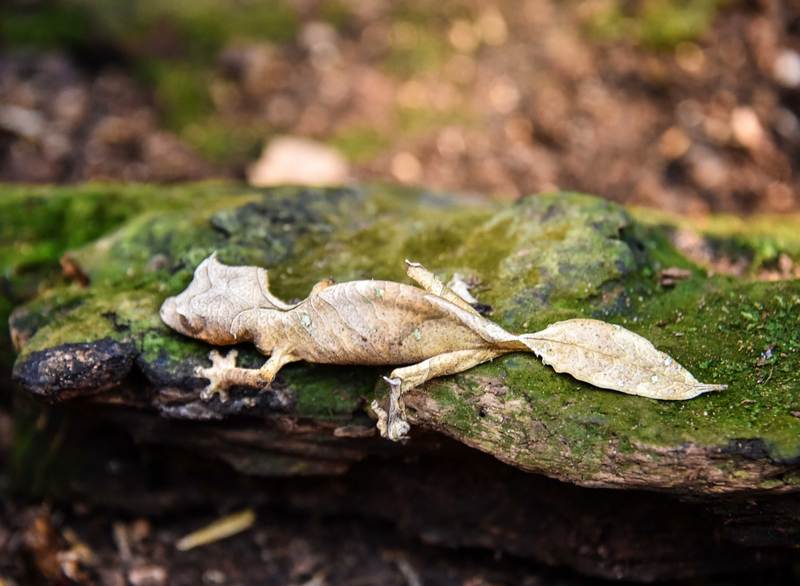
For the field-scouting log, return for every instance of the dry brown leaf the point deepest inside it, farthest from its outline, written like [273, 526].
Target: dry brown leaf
[611, 357]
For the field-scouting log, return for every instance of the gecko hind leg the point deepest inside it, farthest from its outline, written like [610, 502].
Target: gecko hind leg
[224, 374]
[396, 425]
[393, 425]
[432, 284]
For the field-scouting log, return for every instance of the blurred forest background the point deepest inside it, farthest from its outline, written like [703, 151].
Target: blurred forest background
[686, 105]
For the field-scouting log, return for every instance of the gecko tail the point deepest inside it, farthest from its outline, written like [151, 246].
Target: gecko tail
[492, 333]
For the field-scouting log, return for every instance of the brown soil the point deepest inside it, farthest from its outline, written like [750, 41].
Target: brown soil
[61, 124]
[279, 549]
[517, 98]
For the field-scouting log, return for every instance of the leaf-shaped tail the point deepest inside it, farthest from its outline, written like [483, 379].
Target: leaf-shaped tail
[611, 357]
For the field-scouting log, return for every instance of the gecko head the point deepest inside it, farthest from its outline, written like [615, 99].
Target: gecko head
[208, 307]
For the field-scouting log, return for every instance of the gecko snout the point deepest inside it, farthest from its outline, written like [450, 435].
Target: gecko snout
[172, 314]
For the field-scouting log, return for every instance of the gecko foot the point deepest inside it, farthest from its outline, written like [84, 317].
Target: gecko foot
[381, 413]
[396, 425]
[397, 430]
[218, 381]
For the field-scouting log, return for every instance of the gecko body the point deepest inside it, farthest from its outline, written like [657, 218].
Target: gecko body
[429, 330]
[369, 322]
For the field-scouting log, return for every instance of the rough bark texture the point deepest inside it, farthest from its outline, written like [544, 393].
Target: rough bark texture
[730, 460]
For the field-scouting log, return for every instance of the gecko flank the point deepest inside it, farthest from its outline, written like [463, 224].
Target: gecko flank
[429, 331]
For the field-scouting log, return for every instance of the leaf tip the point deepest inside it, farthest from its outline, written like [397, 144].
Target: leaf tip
[708, 387]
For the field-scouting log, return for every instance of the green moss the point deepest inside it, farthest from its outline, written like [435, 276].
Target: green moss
[656, 24]
[181, 91]
[39, 224]
[329, 392]
[159, 343]
[201, 27]
[746, 335]
[721, 330]
[98, 314]
[209, 24]
[60, 25]
[543, 259]
[761, 239]
[415, 48]
[458, 405]
[218, 141]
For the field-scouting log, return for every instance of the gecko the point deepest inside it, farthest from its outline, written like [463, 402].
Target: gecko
[427, 331]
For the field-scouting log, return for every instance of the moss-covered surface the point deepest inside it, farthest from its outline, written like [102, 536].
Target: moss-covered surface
[745, 334]
[545, 258]
[760, 240]
[39, 224]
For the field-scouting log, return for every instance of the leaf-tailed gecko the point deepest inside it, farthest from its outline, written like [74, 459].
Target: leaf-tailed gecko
[431, 330]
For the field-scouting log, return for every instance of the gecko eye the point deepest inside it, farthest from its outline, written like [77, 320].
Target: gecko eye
[183, 320]
[185, 323]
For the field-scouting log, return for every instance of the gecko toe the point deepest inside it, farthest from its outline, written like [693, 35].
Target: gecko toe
[382, 417]
[207, 394]
[394, 383]
[398, 430]
[226, 361]
[215, 383]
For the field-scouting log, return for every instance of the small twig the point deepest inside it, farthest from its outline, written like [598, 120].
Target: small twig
[218, 530]
[404, 566]
[408, 571]
[120, 533]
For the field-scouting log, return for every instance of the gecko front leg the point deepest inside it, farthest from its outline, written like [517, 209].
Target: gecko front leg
[224, 374]
[392, 425]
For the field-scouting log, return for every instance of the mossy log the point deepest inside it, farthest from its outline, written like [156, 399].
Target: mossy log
[90, 336]
[542, 259]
